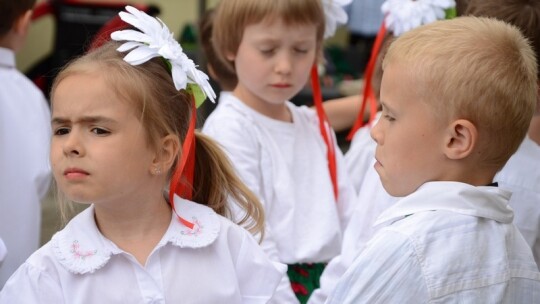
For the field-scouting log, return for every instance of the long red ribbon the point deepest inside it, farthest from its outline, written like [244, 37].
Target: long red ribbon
[182, 179]
[325, 132]
[368, 94]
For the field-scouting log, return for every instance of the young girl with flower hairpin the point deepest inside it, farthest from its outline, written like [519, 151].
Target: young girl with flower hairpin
[286, 154]
[119, 122]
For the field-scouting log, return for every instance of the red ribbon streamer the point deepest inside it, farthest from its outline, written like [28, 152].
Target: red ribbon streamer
[368, 94]
[182, 179]
[323, 123]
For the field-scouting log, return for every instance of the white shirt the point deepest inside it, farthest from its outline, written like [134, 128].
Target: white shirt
[216, 262]
[447, 242]
[521, 175]
[24, 163]
[372, 201]
[286, 166]
[3, 252]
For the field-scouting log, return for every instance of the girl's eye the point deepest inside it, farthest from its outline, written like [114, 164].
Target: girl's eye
[100, 131]
[267, 51]
[301, 51]
[61, 131]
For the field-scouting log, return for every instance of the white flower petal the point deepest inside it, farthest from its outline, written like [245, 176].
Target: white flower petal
[130, 35]
[140, 55]
[128, 46]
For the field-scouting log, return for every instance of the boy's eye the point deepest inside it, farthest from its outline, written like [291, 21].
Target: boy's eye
[100, 131]
[389, 118]
[61, 131]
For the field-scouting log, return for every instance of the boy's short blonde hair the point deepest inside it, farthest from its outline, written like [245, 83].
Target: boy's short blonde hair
[479, 69]
[233, 16]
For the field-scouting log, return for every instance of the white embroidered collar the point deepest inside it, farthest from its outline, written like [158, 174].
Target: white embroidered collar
[486, 202]
[81, 248]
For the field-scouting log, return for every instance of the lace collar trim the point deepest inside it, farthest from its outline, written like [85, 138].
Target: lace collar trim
[81, 248]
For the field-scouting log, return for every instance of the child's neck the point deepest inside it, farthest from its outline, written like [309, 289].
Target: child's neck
[278, 111]
[136, 229]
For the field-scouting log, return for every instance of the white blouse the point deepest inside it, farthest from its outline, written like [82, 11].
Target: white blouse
[286, 166]
[215, 262]
[448, 242]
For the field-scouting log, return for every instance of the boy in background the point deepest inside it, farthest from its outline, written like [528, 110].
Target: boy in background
[24, 141]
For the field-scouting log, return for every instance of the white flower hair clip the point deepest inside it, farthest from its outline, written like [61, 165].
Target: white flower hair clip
[156, 40]
[404, 15]
[334, 15]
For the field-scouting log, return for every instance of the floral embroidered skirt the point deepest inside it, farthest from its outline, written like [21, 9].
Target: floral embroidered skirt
[305, 279]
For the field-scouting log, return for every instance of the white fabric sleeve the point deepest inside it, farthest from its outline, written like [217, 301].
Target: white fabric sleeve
[387, 271]
[241, 146]
[31, 285]
[3, 251]
[258, 276]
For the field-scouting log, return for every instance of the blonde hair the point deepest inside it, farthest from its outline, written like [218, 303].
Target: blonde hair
[163, 110]
[233, 16]
[478, 69]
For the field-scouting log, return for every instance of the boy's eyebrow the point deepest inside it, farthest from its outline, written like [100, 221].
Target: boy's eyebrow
[386, 107]
[84, 119]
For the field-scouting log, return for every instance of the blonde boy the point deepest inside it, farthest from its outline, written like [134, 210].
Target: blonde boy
[24, 141]
[457, 97]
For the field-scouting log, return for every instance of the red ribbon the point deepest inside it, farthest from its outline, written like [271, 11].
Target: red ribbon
[368, 94]
[323, 123]
[182, 179]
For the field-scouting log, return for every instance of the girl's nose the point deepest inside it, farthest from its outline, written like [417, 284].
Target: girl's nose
[72, 146]
[284, 64]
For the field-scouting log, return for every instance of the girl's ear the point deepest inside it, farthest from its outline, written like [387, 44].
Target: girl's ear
[461, 139]
[230, 56]
[166, 154]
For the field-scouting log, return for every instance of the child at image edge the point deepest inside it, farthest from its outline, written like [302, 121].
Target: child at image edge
[117, 132]
[275, 146]
[25, 132]
[457, 98]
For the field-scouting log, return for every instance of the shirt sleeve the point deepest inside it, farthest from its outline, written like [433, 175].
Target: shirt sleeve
[3, 251]
[387, 271]
[31, 285]
[258, 276]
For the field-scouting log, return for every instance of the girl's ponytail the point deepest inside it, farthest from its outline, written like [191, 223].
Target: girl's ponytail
[217, 185]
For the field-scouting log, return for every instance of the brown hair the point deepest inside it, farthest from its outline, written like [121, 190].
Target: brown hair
[233, 16]
[10, 11]
[524, 14]
[164, 110]
[479, 69]
[225, 77]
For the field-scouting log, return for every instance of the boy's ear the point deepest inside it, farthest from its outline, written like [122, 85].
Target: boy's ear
[461, 139]
[23, 23]
[166, 153]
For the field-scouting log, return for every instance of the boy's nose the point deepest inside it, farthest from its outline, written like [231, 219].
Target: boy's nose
[376, 133]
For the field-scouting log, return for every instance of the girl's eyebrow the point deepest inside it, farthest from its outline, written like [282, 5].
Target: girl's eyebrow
[84, 119]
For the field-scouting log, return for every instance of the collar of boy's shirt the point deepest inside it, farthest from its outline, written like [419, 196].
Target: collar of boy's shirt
[483, 201]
